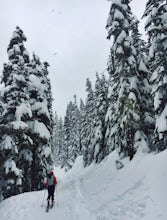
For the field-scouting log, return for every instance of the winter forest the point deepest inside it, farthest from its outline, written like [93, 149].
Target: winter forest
[125, 109]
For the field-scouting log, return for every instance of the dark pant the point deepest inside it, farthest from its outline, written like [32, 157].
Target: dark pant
[51, 190]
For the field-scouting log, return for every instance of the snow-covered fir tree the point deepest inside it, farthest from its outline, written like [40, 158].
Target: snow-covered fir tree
[74, 151]
[58, 140]
[98, 150]
[126, 131]
[146, 104]
[110, 120]
[156, 28]
[87, 127]
[55, 141]
[48, 93]
[41, 123]
[14, 118]
[82, 123]
[71, 134]
[67, 136]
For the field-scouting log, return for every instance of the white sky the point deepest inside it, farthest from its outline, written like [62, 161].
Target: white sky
[69, 34]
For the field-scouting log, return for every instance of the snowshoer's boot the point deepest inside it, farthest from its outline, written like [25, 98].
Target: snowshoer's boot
[52, 204]
[47, 207]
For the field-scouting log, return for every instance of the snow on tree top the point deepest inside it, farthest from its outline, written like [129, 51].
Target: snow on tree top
[116, 2]
[15, 35]
[120, 4]
[18, 33]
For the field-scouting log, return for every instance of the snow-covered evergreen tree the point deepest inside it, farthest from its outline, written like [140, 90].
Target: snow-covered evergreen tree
[146, 104]
[67, 136]
[126, 131]
[48, 92]
[74, 150]
[99, 128]
[156, 27]
[58, 140]
[71, 134]
[110, 120]
[14, 118]
[55, 139]
[40, 125]
[82, 123]
[87, 127]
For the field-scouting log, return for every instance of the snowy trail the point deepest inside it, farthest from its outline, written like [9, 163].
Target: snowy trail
[27, 206]
[100, 192]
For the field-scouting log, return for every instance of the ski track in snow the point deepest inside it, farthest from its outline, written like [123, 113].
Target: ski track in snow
[99, 192]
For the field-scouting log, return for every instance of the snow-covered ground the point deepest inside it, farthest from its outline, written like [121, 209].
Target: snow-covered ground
[100, 192]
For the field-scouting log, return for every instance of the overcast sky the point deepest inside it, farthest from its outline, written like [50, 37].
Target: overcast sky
[69, 34]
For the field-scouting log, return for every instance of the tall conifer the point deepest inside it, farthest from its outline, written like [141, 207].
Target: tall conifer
[15, 115]
[126, 121]
[156, 27]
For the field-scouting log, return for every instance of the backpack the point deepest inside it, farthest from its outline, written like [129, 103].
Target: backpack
[51, 180]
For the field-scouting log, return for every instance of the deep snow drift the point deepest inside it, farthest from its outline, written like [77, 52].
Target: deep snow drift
[100, 192]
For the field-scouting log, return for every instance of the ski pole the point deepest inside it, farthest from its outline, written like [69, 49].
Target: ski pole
[57, 195]
[43, 198]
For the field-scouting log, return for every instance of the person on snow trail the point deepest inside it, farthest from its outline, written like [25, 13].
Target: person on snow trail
[50, 185]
